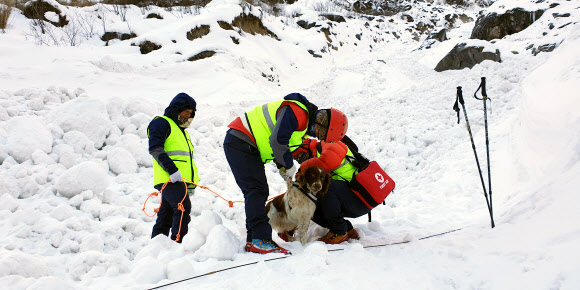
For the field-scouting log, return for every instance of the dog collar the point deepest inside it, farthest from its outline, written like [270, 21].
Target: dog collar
[307, 193]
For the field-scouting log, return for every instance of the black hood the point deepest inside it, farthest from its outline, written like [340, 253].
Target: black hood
[181, 102]
[312, 109]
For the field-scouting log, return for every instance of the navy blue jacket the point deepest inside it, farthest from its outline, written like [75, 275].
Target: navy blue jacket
[159, 129]
[286, 125]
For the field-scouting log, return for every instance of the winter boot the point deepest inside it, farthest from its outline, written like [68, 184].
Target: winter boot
[265, 246]
[287, 235]
[332, 238]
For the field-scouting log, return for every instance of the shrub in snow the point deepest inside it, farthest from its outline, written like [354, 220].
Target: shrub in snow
[86, 115]
[121, 161]
[206, 222]
[21, 264]
[26, 135]
[221, 244]
[88, 175]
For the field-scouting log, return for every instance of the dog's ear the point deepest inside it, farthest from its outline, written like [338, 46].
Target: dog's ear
[300, 178]
[325, 179]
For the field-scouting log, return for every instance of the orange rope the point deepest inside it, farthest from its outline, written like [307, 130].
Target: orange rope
[230, 203]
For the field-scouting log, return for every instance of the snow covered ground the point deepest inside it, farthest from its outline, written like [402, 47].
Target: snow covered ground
[75, 170]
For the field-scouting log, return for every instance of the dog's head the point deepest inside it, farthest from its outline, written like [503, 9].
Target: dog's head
[314, 179]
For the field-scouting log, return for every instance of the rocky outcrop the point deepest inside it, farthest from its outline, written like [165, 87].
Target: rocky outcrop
[463, 55]
[495, 26]
[148, 46]
[37, 10]
[386, 8]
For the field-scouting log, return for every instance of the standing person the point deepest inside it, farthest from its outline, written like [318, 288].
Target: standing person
[340, 201]
[271, 132]
[172, 151]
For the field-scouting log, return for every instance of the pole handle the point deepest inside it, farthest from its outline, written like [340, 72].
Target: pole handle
[483, 92]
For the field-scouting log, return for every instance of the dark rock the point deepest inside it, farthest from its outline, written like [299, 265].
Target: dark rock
[440, 35]
[253, 25]
[456, 2]
[37, 9]
[198, 32]
[335, 18]
[154, 15]
[462, 56]
[314, 54]
[117, 35]
[558, 15]
[202, 55]
[495, 26]
[544, 48]
[386, 8]
[225, 26]
[148, 46]
[306, 25]
[407, 18]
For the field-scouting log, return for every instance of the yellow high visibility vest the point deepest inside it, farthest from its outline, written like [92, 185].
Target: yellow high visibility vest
[261, 121]
[179, 148]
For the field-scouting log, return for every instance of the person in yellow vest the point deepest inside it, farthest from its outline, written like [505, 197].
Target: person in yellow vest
[271, 132]
[172, 151]
[340, 201]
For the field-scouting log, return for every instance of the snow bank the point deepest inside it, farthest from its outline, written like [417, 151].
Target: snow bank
[88, 175]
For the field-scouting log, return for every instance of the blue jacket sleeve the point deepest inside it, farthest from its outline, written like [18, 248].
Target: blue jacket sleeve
[159, 130]
[286, 124]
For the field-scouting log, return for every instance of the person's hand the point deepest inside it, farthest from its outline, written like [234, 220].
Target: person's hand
[175, 177]
[288, 173]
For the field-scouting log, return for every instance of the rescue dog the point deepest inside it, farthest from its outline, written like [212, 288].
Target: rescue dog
[295, 208]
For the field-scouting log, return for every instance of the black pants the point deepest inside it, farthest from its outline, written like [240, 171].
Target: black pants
[169, 215]
[339, 202]
[250, 175]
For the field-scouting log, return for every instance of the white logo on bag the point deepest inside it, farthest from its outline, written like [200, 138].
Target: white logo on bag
[381, 179]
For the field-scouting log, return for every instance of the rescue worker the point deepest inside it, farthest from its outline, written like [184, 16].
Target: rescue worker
[271, 132]
[340, 201]
[172, 151]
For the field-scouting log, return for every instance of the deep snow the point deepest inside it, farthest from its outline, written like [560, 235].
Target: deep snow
[75, 170]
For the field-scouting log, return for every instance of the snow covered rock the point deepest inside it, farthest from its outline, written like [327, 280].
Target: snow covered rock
[88, 175]
[121, 161]
[86, 115]
[26, 135]
[221, 244]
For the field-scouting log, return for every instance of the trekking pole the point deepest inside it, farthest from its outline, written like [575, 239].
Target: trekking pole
[459, 99]
[485, 98]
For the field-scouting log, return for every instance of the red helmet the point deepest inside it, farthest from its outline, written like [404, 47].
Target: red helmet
[337, 126]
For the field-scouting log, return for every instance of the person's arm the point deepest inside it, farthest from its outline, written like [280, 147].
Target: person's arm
[331, 157]
[159, 130]
[286, 124]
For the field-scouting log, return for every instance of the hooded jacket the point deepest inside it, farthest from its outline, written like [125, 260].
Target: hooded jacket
[291, 118]
[159, 129]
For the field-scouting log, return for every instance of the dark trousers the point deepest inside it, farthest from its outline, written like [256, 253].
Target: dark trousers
[169, 215]
[250, 175]
[339, 202]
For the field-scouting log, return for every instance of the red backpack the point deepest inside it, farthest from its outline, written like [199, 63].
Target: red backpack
[372, 184]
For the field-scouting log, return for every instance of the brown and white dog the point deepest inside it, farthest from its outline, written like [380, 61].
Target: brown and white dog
[295, 208]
